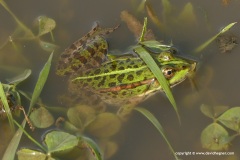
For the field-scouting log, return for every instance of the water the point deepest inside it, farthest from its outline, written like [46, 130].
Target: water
[216, 78]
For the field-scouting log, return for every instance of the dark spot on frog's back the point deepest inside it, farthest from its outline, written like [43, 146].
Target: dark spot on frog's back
[101, 83]
[97, 71]
[120, 77]
[90, 50]
[130, 77]
[139, 72]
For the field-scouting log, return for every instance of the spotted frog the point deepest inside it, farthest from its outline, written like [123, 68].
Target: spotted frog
[117, 80]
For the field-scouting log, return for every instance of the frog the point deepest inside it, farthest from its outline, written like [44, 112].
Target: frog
[117, 80]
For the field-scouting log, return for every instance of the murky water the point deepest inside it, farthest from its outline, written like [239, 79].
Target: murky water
[217, 76]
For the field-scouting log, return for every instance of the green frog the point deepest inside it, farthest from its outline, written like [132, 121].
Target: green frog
[123, 80]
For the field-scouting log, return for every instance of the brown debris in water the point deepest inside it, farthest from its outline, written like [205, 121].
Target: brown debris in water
[225, 2]
[135, 26]
[226, 43]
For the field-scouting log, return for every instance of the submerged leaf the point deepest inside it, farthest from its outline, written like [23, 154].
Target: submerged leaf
[153, 16]
[187, 16]
[231, 118]
[81, 115]
[104, 125]
[49, 47]
[46, 25]
[41, 118]
[215, 137]
[21, 77]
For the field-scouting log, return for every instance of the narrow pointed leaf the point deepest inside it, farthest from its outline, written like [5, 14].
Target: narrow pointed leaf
[205, 44]
[157, 125]
[41, 81]
[7, 109]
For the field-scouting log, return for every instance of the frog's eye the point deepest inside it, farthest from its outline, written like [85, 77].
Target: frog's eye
[168, 72]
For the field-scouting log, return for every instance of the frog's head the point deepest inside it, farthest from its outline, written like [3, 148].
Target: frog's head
[175, 68]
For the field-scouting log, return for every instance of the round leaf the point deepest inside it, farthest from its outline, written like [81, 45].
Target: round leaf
[81, 115]
[60, 142]
[215, 137]
[105, 125]
[41, 118]
[231, 118]
[28, 154]
[46, 25]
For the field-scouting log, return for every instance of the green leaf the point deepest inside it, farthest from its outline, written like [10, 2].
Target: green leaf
[41, 81]
[94, 148]
[41, 118]
[6, 107]
[105, 125]
[19, 78]
[28, 154]
[13, 145]
[205, 44]
[46, 25]
[157, 125]
[158, 74]
[215, 137]
[231, 118]
[59, 142]
[212, 112]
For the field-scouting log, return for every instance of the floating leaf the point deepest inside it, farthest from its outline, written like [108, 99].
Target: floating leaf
[94, 148]
[49, 47]
[41, 118]
[41, 81]
[81, 115]
[215, 137]
[231, 118]
[109, 148]
[46, 25]
[28, 154]
[157, 125]
[6, 107]
[205, 44]
[59, 142]
[104, 125]
[20, 78]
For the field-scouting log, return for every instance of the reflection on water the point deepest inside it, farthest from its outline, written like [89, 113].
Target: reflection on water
[216, 78]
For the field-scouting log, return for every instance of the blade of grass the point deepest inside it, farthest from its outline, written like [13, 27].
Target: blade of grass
[31, 138]
[147, 58]
[6, 107]
[157, 125]
[13, 145]
[205, 44]
[41, 81]
[159, 75]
